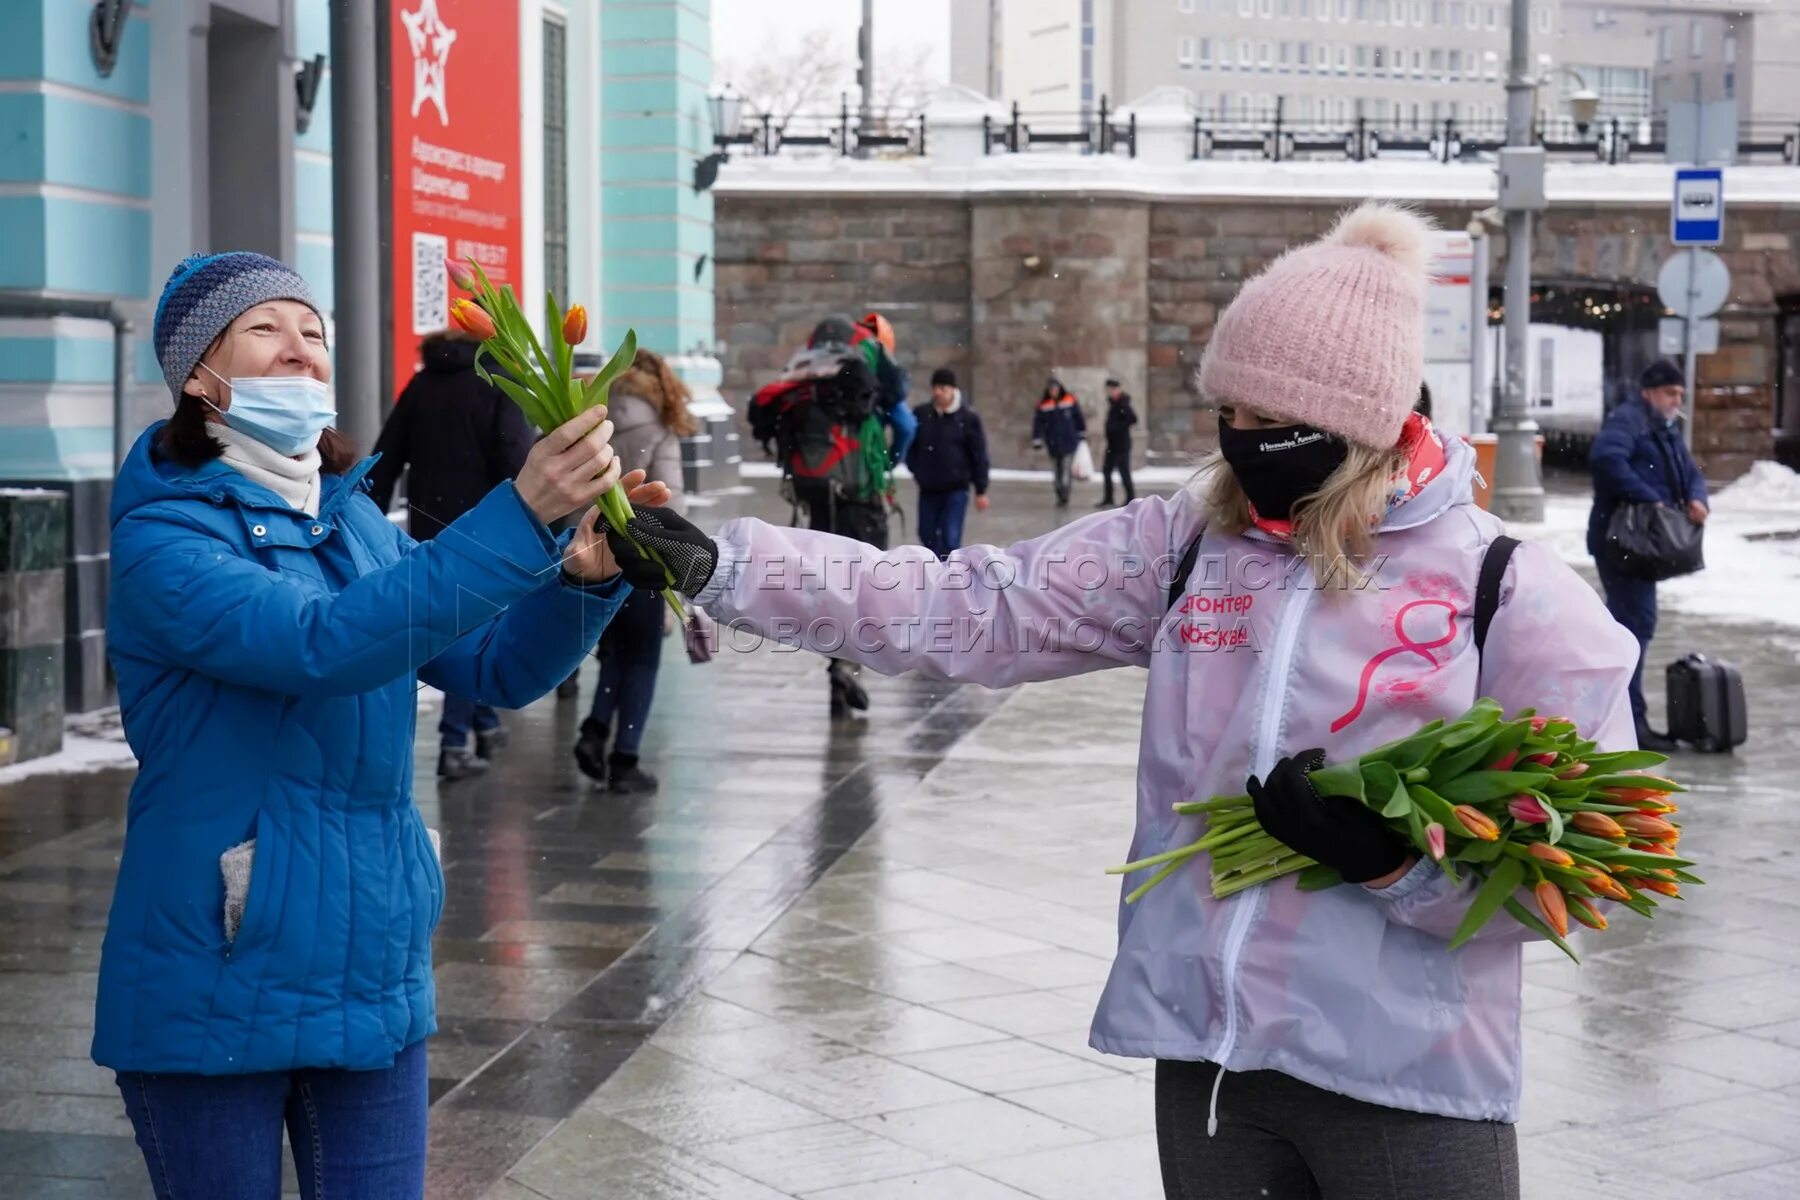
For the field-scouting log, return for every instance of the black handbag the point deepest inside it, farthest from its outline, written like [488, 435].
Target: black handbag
[1653, 541]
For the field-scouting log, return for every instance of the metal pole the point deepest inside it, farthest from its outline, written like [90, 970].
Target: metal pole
[1689, 400]
[356, 226]
[1518, 494]
[121, 366]
[1480, 402]
[866, 118]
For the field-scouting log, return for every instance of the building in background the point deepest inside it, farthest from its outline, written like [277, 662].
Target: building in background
[196, 141]
[1399, 63]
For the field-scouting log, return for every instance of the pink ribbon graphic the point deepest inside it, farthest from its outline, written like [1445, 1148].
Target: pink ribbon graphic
[1407, 645]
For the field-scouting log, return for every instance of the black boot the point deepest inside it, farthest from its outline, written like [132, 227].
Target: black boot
[569, 688]
[1649, 739]
[847, 692]
[626, 777]
[590, 749]
[1105, 503]
[459, 762]
[489, 740]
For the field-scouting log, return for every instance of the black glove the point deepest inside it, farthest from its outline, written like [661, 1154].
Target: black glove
[1334, 830]
[689, 555]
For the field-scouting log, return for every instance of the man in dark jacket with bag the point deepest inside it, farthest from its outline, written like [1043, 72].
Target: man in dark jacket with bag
[1640, 457]
[459, 438]
[949, 455]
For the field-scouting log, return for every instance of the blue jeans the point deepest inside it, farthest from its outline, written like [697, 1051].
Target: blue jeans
[630, 652]
[462, 714]
[357, 1135]
[1632, 603]
[941, 516]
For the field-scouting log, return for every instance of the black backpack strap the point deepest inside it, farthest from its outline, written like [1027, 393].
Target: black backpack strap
[1189, 558]
[1487, 585]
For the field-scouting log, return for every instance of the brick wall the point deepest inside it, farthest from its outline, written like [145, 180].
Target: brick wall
[1006, 288]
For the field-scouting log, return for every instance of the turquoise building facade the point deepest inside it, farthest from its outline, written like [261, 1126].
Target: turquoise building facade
[190, 143]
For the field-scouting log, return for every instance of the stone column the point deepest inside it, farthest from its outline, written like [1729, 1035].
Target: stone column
[31, 621]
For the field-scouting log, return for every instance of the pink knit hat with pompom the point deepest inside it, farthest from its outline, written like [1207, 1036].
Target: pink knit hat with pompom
[1332, 335]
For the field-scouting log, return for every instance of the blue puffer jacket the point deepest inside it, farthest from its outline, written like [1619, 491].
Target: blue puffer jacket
[266, 664]
[1637, 456]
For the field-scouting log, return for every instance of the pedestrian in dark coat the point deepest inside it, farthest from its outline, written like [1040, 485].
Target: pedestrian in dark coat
[1059, 428]
[949, 456]
[458, 437]
[1120, 417]
[1640, 456]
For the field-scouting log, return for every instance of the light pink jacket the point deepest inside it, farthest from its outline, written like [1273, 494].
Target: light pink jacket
[1350, 989]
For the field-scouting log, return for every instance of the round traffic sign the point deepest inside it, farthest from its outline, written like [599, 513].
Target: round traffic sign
[1694, 283]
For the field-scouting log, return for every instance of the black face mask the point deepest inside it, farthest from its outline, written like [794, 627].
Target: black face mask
[1282, 465]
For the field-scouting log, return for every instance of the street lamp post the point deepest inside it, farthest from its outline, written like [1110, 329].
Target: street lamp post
[1518, 493]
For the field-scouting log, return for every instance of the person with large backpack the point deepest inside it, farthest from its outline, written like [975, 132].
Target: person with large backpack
[822, 422]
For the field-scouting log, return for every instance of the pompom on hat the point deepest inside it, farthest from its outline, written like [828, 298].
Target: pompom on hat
[205, 294]
[1332, 334]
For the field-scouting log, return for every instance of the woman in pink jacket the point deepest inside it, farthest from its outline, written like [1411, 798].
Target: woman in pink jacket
[1308, 1044]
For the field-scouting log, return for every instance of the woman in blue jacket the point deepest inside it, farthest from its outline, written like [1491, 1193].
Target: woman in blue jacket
[268, 956]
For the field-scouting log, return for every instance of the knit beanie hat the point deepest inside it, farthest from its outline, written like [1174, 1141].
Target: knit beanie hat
[1332, 334]
[205, 294]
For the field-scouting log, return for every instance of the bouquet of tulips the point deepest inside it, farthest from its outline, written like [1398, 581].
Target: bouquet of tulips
[541, 380]
[1518, 802]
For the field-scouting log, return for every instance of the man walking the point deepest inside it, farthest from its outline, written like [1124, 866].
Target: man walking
[949, 455]
[1640, 457]
[1120, 417]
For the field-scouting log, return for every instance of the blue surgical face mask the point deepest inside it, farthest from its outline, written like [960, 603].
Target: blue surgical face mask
[284, 412]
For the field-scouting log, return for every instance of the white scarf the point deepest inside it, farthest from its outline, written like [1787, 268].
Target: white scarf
[295, 480]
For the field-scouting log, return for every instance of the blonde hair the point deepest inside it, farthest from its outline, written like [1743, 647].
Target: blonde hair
[1334, 527]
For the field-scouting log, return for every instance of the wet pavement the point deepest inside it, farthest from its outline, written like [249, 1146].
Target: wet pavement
[857, 960]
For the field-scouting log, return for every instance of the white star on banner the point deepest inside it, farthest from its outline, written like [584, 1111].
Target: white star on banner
[430, 41]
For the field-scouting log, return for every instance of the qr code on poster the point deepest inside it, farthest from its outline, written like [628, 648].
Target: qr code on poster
[430, 283]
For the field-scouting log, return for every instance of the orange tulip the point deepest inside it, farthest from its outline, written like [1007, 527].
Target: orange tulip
[1598, 825]
[1606, 885]
[1647, 827]
[1545, 852]
[460, 274]
[1654, 848]
[1477, 823]
[1586, 913]
[1663, 887]
[472, 319]
[574, 328]
[1550, 903]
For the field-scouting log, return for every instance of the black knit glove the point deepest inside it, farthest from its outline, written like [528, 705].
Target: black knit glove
[689, 555]
[1334, 830]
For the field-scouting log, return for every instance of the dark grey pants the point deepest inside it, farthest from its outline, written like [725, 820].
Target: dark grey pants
[1286, 1140]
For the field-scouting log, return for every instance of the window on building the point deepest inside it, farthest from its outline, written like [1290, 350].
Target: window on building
[1456, 12]
[1246, 54]
[1343, 111]
[1362, 60]
[1437, 12]
[1343, 60]
[1268, 9]
[1545, 20]
[1303, 49]
[1490, 64]
[1185, 51]
[1380, 60]
[1206, 52]
[1305, 8]
[556, 159]
[1456, 64]
[1493, 14]
[1287, 8]
[1283, 53]
[1730, 47]
[1224, 55]
[1322, 60]
[1246, 8]
[1418, 12]
[1265, 56]
[1731, 85]
[1437, 66]
[1184, 6]
[1343, 10]
[1415, 114]
[1362, 10]
[1381, 11]
[1545, 391]
[1696, 39]
[1665, 45]
[1418, 62]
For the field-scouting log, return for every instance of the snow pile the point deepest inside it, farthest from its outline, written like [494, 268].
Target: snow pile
[1766, 486]
[91, 742]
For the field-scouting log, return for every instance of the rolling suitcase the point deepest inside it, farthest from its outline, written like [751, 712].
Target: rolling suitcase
[1706, 703]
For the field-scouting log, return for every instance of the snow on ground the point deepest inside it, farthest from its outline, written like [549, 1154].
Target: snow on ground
[91, 742]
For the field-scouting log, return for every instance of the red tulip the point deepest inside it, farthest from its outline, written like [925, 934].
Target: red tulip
[1545, 852]
[1550, 902]
[1434, 840]
[574, 328]
[1477, 823]
[1528, 809]
[1538, 723]
[1598, 825]
[1542, 760]
[1586, 913]
[1505, 761]
[472, 319]
[460, 274]
[1575, 771]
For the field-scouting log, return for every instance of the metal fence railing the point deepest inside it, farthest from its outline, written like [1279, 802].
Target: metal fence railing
[1254, 133]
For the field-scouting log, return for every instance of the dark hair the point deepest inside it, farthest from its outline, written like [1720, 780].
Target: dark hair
[1423, 406]
[184, 438]
[943, 376]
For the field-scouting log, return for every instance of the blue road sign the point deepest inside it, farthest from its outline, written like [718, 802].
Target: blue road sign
[1697, 217]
